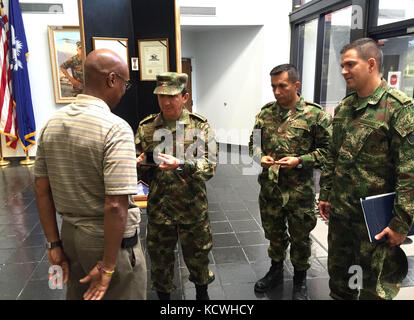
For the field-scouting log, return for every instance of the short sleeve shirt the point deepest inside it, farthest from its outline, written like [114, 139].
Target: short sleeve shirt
[87, 152]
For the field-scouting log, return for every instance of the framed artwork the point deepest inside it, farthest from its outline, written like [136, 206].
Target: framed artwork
[118, 45]
[66, 56]
[153, 58]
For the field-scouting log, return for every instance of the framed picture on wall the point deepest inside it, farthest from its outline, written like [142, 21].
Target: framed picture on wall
[66, 61]
[118, 45]
[153, 58]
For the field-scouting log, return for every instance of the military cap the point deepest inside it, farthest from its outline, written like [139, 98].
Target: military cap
[171, 83]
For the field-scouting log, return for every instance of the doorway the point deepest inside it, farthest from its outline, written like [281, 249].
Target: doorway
[187, 68]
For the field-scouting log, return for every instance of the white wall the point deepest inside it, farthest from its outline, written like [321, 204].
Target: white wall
[228, 63]
[233, 54]
[39, 64]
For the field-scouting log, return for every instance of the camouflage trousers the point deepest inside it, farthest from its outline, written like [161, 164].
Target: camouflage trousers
[295, 218]
[196, 242]
[383, 267]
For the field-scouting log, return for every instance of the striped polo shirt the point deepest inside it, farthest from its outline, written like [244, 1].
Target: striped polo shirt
[87, 152]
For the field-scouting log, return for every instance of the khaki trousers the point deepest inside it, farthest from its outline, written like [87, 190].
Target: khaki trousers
[129, 282]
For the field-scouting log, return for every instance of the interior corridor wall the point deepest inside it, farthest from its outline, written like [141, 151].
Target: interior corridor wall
[232, 54]
[228, 65]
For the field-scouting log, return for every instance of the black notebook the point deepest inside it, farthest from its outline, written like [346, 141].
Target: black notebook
[378, 214]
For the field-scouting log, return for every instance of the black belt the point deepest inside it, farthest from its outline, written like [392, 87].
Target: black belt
[130, 242]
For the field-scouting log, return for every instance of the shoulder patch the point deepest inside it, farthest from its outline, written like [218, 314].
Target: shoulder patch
[199, 117]
[309, 103]
[148, 118]
[268, 105]
[400, 96]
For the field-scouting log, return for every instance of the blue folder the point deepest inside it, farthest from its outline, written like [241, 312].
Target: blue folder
[378, 214]
[142, 188]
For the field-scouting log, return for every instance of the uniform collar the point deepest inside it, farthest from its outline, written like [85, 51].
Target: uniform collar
[298, 106]
[375, 97]
[184, 118]
[301, 103]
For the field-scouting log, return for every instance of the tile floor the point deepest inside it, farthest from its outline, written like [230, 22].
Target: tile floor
[238, 258]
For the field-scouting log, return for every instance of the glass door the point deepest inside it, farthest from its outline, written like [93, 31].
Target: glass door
[391, 11]
[308, 33]
[337, 35]
[398, 64]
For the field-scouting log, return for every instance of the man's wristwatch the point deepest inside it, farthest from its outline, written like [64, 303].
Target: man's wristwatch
[180, 166]
[51, 245]
[299, 166]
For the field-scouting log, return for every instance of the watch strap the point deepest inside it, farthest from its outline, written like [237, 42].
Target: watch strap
[300, 165]
[51, 245]
[181, 166]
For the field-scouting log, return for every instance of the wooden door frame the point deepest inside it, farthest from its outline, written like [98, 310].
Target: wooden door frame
[190, 103]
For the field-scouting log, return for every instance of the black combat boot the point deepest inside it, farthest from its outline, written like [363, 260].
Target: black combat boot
[300, 290]
[163, 295]
[273, 277]
[201, 292]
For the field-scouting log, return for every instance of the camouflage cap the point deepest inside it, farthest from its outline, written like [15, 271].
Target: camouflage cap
[171, 83]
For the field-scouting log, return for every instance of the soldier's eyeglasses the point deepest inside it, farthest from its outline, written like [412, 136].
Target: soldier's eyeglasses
[128, 83]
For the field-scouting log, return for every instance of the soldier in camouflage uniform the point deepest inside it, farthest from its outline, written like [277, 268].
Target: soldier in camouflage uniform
[294, 139]
[177, 200]
[372, 153]
[75, 64]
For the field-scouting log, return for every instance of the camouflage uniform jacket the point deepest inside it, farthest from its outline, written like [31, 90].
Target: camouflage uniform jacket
[372, 152]
[179, 197]
[304, 131]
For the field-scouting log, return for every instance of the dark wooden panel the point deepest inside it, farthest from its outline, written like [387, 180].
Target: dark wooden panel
[132, 19]
[153, 19]
[113, 19]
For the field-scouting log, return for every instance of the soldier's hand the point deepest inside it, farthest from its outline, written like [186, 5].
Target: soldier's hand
[393, 238]
[266, 161]
[168, 162]
[288, 162]
[324, 209]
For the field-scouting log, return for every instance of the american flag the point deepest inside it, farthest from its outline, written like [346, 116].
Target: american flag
[8, 119]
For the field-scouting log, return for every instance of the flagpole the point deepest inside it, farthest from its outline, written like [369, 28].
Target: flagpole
[27, 161]
[3, 162]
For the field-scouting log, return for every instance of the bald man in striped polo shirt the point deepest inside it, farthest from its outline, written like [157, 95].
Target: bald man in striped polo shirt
[86, 171]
